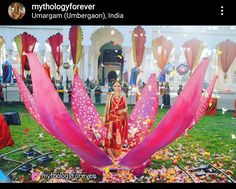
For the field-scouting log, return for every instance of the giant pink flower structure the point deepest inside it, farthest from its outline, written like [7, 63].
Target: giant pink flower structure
[84, 134]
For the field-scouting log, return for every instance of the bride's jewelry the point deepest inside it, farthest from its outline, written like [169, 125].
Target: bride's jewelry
[118, 101]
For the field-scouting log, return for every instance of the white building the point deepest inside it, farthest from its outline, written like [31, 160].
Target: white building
[94, 37]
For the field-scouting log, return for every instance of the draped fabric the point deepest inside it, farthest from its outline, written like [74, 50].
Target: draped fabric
[57, 120]
[204, 103]
[7, 72]
[55, 41]
[192, 52]
[75, 37]
[5, 134]
[133, 76]
[144, 112]
[52, 115]
[161, 51]
[1, 42]
[86, 113]
[47, 69]
[28, 100]
[28, 42]
[138, 40]
[174, 122]
[19, 44]
[25, 44]
[140, 120]
[226, 52]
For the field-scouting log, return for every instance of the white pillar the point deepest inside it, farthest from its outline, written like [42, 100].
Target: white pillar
[126, 54]
[127, 60]
[176, 60]
[65, 53]
[41, 40]
[65, 46]
[86, 62]
[1, 59]
[9, 55]
[92, 55]
[147, 62]
[95, 67]
[65, 59]
[41, 55]
[81, 67]
[209, 70]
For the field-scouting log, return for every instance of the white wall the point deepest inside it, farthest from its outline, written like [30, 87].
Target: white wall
[211, 35]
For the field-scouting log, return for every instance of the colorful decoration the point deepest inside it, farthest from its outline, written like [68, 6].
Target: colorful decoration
[25, 44]
[204, 104]
[47, 69]
[29, 100]
[192, 51]
[161, 51]
[183, 69]
[85, 113]
[138, 96]
[55, 42]
[144, 112]
[226, 52]
[138, 40]
[169, 68]
[164, 133]
[87, 169]
[1, 42]
[66, 65]
[7, 72]
[212, 107]
[75, 37]
[133, 77]
[55, 115]
[56, 118]
[162, 77]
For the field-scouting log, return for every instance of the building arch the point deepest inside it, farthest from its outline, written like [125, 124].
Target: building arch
[98, 38]
[104, 35]
[234, 77]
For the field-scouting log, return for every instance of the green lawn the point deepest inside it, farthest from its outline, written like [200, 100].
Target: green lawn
[211, 140]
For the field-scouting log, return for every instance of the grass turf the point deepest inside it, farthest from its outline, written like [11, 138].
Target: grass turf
[212, 134]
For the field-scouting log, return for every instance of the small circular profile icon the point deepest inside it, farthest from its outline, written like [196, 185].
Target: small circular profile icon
[36, 174]
[16, 10]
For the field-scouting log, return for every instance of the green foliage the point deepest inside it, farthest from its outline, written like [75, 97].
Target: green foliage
[212, 135]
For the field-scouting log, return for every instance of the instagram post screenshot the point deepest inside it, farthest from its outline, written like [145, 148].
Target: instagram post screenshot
[117, 92]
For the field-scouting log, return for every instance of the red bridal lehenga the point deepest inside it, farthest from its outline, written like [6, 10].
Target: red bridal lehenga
[117, 127]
